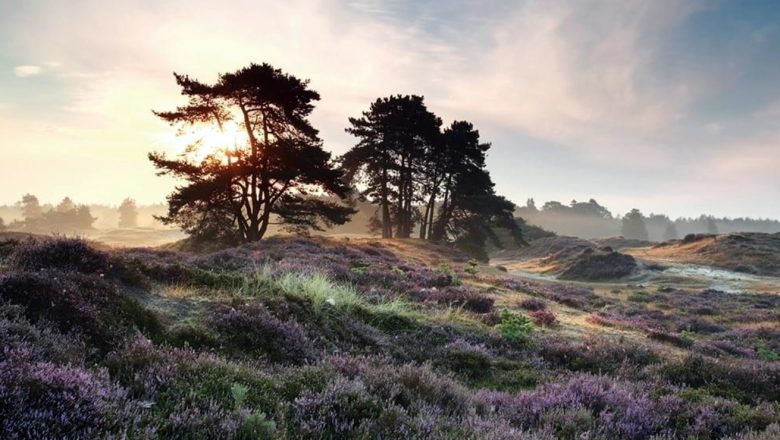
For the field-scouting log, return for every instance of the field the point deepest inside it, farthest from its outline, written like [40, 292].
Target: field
[345, 337]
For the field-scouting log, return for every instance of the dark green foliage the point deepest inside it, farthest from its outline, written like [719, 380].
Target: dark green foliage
[514, 326]
[404, 160]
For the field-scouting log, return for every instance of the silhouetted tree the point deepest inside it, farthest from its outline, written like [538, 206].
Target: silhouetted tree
[530, 204]
[65, 205]
[404, 160]
[712, 227]
[66, 218]
[128, 214]
[271, 178]
[31, 207]
[469, 208]
[3, 227]
[398, 139]
[670, 233]
[634, 225]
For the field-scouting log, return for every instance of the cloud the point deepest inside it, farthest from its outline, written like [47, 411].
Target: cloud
[595, 78]
[27, 70]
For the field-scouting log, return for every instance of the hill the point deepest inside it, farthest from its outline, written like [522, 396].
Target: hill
[321, 338]
[571, 258]
[756, 253]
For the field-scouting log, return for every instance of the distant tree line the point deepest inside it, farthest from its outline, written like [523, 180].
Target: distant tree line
[421, 178]
[590, 219]
[67, 216]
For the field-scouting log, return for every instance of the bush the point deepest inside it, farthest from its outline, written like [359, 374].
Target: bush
[533, 304]
[741, 379]
[597, 354]
[465, 359]
[544, 318]
[77, 303]
[456, 297]
[515, 327]
[43, 400]
[59, 253]
[251, 328]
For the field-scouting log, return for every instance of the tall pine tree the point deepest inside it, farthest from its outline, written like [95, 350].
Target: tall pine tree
[270, 178]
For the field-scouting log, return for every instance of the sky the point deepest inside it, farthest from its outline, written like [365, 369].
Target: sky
[669, 106]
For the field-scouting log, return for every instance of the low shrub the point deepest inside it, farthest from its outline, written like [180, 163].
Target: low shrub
[544, 318]
[63, 254]
[515, 327]
[597, 354]
[77, 303]
[745, 380]
[456, 297]
[250, 328]
[43, 400]
[464, 359]
[533, 304]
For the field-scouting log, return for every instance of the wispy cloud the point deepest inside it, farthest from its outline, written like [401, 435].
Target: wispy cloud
[27, 70]
[603, 80]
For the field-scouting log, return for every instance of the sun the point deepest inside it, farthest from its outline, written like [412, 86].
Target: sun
[200, 142]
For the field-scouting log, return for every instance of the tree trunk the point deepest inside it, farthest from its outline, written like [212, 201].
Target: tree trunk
[387, 229]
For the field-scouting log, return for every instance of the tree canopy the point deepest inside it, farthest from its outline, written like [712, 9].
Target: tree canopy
[634, 225]
[67, 216]
[128, 214]
[277, 175]
[422, 177]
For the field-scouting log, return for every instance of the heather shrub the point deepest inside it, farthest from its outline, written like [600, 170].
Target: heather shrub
[456, 297]
[38, 342]
[192, 395]
[772, 432]
[597, 354]
[680, 340]
[544, 318]
[250, 328]
[346, 409]
[533, 304]
[585, 404]
[409, 385]
[465, 359]
[699, 325]
[43, 400]
[741, 379]
[76, 303]
[59, 253]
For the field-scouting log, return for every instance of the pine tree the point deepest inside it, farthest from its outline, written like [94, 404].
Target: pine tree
[670, 233]
[31, 207]
[128, 214]
[271, 178]
[712, 227]
[397, 140]
[634, 225]
[403, 160]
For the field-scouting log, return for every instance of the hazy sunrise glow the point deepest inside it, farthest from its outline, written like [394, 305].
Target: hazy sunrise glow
[669, 106]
